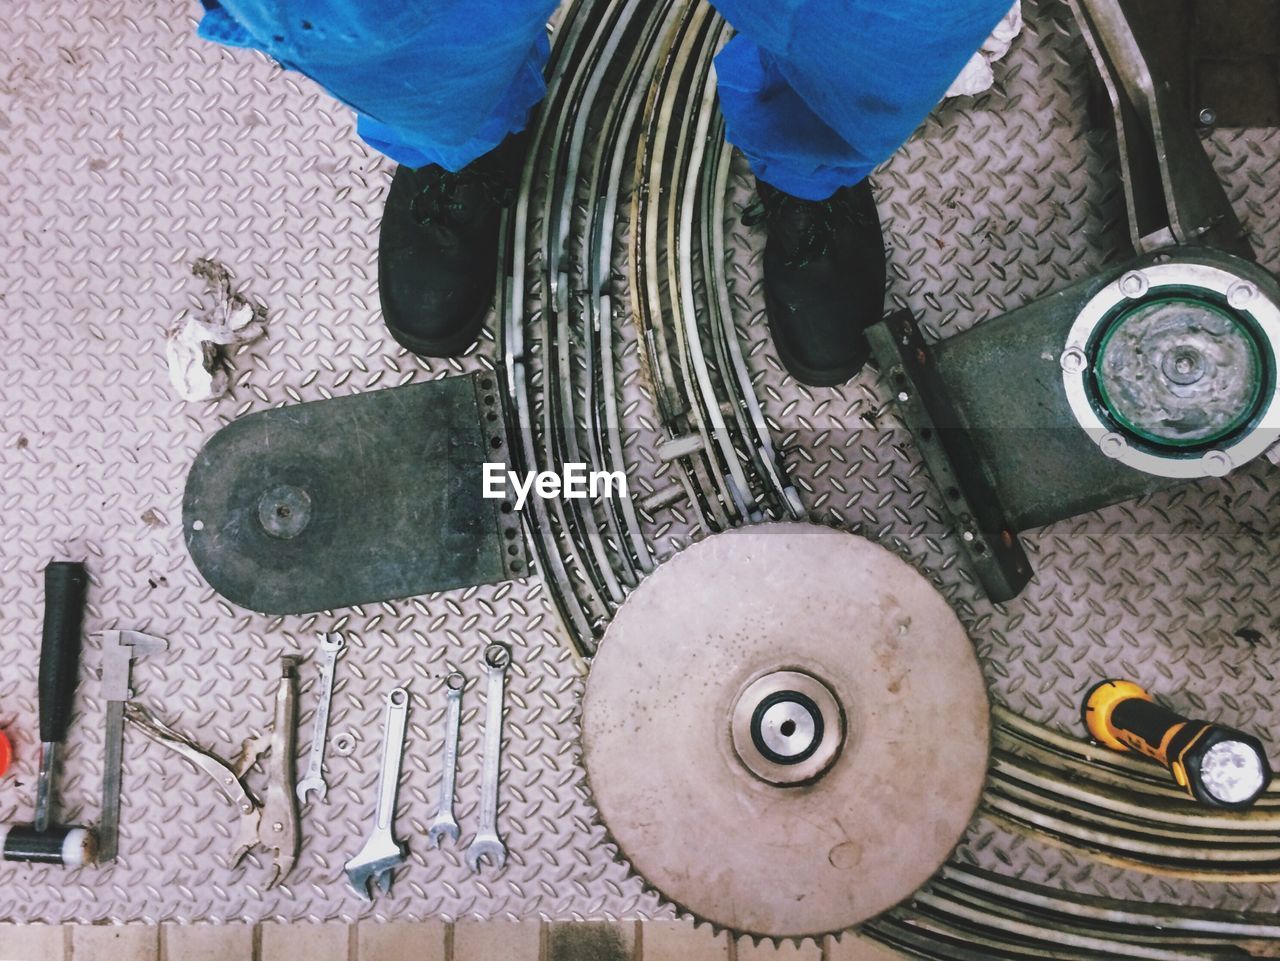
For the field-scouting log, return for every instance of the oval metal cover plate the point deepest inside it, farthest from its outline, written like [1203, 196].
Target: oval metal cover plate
[367, 498]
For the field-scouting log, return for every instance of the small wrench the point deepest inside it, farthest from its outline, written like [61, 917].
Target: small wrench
[331, 646]
[497, 657]
[382, 853]
[445, 823]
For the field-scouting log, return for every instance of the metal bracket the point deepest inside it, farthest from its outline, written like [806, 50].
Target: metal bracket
[988, 407]
[986, 534]
[1172, 193]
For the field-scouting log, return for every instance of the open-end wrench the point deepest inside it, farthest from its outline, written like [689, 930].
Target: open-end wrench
[382, 853]
[331, 646]
[497, 657]
[444, 823]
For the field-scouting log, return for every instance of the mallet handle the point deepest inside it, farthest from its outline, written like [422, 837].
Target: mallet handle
[65, 585]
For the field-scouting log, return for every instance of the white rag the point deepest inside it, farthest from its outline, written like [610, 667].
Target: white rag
[977, 74]
[194, 345]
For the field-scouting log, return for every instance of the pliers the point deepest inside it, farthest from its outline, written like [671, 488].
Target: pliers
[273, 822]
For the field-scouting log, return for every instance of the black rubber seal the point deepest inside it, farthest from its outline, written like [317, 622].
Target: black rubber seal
[757, 719]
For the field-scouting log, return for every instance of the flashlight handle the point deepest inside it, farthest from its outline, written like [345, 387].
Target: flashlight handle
[65, 586]
[1148, 723]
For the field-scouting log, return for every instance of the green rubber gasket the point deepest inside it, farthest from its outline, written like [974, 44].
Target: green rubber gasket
[1260, 371]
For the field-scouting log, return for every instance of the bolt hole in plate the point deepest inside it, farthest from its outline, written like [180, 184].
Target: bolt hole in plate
[1172, 368]
[807, 743]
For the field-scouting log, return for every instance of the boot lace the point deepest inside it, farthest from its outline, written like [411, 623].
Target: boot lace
[806, 227]
[438, 199]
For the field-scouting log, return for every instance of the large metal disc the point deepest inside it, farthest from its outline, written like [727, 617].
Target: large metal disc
[813, 634]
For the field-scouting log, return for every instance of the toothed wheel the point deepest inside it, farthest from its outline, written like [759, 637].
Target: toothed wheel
[785, 730]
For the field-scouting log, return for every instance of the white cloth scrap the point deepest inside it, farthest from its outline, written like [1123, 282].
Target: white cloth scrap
[195, 346]
[977, 74]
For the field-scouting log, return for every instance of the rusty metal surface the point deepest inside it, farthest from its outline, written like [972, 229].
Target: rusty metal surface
[130, 149]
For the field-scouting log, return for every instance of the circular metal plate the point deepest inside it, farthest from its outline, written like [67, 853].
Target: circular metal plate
[1180, 372]
[695, 821]
[1238, 290]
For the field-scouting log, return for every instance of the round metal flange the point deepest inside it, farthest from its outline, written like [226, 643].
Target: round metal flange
[785, 730]
[1172, 368]
[787, 727]
[1177, 372]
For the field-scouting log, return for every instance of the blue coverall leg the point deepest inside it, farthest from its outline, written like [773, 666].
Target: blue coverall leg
[816, 93]
[433, 81]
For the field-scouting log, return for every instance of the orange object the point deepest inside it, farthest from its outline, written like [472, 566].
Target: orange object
[6, 753]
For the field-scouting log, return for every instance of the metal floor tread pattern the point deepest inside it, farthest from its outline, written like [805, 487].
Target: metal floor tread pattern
[131, 149]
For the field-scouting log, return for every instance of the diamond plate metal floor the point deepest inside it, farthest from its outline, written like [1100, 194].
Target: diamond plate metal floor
[130, 149]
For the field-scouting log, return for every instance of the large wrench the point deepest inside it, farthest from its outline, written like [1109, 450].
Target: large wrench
[382, 853]
[444, 823]
[331, 646]
[497, 657]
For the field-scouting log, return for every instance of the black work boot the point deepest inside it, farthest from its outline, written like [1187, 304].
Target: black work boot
[438, 247]
[824, 276]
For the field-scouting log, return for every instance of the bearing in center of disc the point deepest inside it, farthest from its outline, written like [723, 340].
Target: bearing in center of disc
[787, 727]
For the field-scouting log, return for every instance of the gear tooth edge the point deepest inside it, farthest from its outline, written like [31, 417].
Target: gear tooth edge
[682, 911]
[685, 913]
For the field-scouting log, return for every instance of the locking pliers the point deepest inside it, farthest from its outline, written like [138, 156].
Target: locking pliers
[272, 822]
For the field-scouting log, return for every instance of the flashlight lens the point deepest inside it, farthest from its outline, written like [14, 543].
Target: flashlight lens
[1231, 771]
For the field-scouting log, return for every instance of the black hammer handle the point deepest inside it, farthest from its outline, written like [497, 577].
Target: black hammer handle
[65, 584]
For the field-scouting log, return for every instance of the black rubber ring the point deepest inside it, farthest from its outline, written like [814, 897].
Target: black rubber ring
[757, 719]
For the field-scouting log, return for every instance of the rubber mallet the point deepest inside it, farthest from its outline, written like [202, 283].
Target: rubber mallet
[65, 584]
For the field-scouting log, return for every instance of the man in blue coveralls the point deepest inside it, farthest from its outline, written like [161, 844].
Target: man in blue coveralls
[816, 93]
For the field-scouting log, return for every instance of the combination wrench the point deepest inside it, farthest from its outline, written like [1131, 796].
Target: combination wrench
[331, 646]
[497, 657]
[382, 853]
[444, 824]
